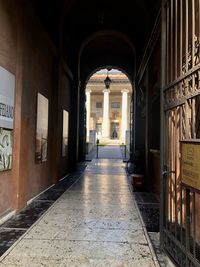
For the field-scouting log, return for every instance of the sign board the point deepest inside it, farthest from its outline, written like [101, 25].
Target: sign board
[190, 164]
[7, 92]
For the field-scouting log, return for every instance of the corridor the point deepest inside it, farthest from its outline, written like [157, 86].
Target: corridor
[50, 52]
[94, 223]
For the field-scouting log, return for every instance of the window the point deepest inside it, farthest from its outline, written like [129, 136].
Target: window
[115, 105]
[98, 104]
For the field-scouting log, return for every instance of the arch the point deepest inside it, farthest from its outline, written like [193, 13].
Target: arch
[106, 48]
[106, 33]
[104, 67]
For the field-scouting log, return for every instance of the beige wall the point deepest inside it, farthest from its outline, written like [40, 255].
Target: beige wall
[96, 113]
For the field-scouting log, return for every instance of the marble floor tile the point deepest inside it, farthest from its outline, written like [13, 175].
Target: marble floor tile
[87, 234]
[96, 195]
[75, 262]
[73, 223]
[100, 189]
[31, 262]
[67, 249]
[110, 224]
[88, 207]
[103, 212]
[96, 203]
[94, 223]
[121, 263]
[113, 183]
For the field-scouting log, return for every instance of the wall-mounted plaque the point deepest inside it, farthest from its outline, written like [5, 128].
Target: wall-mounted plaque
[42, 128]
[65, 132]
[190, 163]
[7, 92]
[5, 149]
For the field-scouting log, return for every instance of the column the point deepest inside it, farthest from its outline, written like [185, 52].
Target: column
[106, 119]
[88, 110]
[124, 120]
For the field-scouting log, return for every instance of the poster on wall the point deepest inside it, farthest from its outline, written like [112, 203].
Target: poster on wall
[5, 149]
[65, 133]
[7, 92]
[42, 128]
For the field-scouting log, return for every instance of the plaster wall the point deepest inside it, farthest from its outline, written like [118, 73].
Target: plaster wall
[27, 52]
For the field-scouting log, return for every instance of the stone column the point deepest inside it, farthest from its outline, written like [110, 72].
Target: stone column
[124, 120]
[88, 110]
[106, 119]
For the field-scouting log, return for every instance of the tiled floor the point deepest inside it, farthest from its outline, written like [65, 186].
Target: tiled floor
[110, 152]
[14, 228]
[94, 223]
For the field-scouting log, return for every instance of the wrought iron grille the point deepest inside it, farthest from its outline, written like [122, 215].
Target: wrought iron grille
[181, 92]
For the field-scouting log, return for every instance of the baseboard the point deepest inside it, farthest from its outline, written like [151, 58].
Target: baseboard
[64, 177]
[33, 198]
[5, 217]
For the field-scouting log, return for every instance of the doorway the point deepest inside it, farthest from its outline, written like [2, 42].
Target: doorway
[114, 133]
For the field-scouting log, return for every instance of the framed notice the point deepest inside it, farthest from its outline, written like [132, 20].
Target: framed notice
[65, 133]
[190, 163]
[7, 93]
[42, 128]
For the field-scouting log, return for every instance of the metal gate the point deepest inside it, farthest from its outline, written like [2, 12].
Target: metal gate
[180, 100]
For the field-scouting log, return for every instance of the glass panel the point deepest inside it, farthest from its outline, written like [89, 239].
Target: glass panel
[65, 133]
[42, 128]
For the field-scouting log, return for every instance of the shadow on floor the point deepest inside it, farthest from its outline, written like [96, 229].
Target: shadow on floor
[149, 209]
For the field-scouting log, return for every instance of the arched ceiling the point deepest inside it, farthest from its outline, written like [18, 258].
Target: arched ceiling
[88, 27]
[106, 48]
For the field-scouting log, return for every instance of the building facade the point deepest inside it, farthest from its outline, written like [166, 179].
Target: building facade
[108, 110]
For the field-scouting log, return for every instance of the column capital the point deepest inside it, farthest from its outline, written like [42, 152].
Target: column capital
[125, 91]
[88, 91]
[106, 91]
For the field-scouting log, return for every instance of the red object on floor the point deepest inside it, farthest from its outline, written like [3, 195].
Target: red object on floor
[137, 180]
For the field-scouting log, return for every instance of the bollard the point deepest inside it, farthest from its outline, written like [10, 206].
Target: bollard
[97, 148]
[125, 151]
